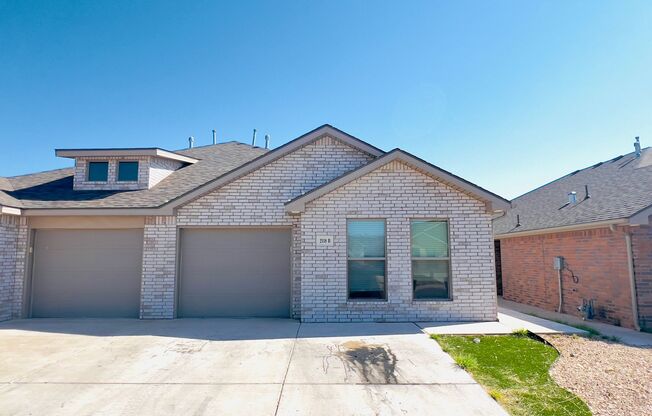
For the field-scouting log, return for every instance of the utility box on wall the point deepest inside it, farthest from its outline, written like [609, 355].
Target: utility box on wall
[559, 263]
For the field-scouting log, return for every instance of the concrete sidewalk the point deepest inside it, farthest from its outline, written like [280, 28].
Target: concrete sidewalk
[625, 335]
[508, 321]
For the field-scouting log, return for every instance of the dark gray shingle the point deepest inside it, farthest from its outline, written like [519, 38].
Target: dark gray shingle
[619, 188]
[53, 189]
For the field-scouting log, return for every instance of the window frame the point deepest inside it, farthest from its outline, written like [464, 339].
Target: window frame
[383, 259]
[447, 259]
[117, 175]
[88, 171]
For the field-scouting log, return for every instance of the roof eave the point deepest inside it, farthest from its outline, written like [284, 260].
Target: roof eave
[564, 228]
[126, 152]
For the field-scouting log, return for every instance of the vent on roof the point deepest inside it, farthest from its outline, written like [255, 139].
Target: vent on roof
[617, 158]
[191, 142]
[267, 141]
[637, 147]
[573, 173]
[596, 165]
[214, 137]
[587, 195]
[572, 197]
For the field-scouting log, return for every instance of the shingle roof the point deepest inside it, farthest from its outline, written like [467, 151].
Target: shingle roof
[618, 188]
[53, 189]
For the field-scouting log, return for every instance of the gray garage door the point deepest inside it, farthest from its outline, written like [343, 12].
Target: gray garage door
[87, 273]
[234, 272]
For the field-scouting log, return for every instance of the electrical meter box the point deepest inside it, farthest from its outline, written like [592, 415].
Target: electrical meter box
[559, 263]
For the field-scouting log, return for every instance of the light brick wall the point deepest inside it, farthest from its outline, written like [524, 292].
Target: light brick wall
[258, 198]
[13, 251]
[597, 257]
[159, 268]
[397, 193]
[151, 170]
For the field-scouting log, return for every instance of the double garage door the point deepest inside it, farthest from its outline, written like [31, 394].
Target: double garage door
[222, 273]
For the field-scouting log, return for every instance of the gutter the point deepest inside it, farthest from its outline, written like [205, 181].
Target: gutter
[575, 227]
[632, 279]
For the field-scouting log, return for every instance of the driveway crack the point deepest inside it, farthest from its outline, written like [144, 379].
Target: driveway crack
[287, 369]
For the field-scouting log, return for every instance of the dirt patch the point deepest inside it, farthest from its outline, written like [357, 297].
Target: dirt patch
[372, 363]
[612, 378]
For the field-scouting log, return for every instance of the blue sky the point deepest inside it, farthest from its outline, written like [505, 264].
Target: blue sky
[507, 94]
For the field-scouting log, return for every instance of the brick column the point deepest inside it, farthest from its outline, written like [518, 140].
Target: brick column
[13, 253]
[157, 295]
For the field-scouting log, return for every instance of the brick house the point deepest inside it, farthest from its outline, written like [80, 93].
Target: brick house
[324, 228]
[598, 220]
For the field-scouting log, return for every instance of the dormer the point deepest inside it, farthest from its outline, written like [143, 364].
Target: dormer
[122, 169]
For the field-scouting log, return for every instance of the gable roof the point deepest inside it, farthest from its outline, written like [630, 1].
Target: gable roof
[287, 148]
[495, 202]
[619, 189]
[216, 165]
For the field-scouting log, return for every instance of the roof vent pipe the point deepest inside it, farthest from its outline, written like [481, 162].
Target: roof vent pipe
[214, 137]
[587, 195]
[572, 197]
[267, 141]
[637, 147]
[518, 220]
[191, 142]
[253, 139]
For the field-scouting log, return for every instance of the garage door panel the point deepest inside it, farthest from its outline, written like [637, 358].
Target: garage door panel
[87, 273]
[235, 272]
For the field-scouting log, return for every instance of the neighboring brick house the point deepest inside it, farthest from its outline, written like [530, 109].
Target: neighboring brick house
[325, 228]
[598, 220]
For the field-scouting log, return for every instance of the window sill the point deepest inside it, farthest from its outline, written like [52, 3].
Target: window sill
[433, 300]
[357, 301]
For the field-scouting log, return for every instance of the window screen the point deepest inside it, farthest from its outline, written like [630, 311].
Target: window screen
[366, 259]
[430, 259]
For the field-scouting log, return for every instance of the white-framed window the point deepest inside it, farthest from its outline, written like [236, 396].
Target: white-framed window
[430, 259]
[366, 259]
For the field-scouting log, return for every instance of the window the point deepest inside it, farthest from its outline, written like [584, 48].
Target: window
[366, 259]
[127, 171]
[430, 259]
[98, 171]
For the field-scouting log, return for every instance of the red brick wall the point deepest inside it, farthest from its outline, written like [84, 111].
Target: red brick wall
[642, 249]
[597, 257]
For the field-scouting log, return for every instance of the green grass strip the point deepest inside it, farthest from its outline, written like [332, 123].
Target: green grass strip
[514, 370]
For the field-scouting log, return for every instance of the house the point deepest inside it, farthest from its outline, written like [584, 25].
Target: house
[324, 228]
[588, 232]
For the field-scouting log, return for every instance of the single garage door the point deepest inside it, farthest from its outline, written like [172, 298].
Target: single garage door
[234, 272]
[87, 273]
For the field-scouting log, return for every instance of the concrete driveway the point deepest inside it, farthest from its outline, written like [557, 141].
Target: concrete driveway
[229, 366]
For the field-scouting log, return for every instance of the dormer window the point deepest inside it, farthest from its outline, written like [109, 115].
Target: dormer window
[127, 171]
[98, 171]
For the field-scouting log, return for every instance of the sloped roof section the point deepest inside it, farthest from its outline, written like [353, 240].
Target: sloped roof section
[54, 190]
[619, 188]
[496, 202]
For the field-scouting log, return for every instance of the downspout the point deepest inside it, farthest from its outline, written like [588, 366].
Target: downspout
[632, 279]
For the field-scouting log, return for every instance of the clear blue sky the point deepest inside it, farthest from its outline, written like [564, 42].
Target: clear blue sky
[507, 94]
